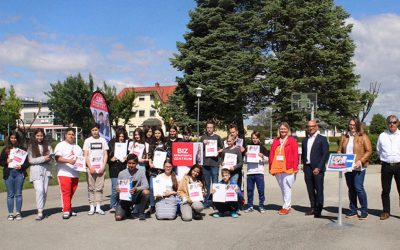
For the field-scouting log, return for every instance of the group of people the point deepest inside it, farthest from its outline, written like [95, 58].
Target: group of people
[225, 158]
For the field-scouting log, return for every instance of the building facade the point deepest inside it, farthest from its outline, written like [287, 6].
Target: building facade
[144, 113]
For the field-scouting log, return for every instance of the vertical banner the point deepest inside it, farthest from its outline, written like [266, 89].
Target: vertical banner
[187, 153]
[99, 108]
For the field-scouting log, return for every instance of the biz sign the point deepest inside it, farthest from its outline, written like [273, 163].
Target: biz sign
[182, 154]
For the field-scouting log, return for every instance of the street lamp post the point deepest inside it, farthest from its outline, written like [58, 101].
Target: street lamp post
[198, 94]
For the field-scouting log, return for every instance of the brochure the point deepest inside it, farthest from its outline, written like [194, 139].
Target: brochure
[97, 163]
[120, 151]
[252, 153]
[125, 187]
[195, 192]
[211, 148]
[230, 160]
[159, 159]
[224, 193]
[17, 156]
[159, 186]
[138, 150]
[80, 164]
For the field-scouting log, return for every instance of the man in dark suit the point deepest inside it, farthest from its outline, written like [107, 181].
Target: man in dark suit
[314, 154]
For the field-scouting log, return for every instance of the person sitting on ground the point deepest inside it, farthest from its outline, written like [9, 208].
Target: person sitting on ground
[191, 209]
[230, 207]
[166, 203]
[140, 190]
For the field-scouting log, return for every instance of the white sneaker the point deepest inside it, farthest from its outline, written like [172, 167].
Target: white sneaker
[91, 212]
[101, 212]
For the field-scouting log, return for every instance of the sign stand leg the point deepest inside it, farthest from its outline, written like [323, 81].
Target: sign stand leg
[340, 199]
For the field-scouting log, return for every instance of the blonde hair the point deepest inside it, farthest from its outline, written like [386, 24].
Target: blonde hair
[286, 125]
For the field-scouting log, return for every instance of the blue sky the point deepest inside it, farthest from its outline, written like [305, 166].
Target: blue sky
[129, 43]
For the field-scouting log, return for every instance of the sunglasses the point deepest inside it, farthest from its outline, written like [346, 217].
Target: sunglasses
[392, 122]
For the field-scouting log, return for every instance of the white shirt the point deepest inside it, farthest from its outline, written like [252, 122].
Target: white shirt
[67, 151]
[350, 145]
[388, 146]
[96, 147]
[310, 143]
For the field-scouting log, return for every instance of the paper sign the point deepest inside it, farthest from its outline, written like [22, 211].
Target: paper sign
[341, 162]
[224, 193]
[182, 154]
[120, 151]
[230, 160]
[96, 163]
[17, 156]
[138, 150]
[124, 189]
[80, 164]
[159, 159]
[159, 186]
[211, 148]
[252, 153]
[195, 192]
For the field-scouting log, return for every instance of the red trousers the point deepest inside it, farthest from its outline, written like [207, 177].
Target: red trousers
[68, 187]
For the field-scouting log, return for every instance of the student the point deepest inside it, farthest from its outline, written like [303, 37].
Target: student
[95, 151]
[211, 166]
[232, 149]
[172, 137]
[166, 203]
[40, 160]
[116, 165]
[140, 191]
[159, 144]
[13, 177]
[227, 207]
[191, 209]
[149, 135]
[255, 175]
[68, 178]
[139, 138]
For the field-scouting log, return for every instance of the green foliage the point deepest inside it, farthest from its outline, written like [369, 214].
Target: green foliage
[374, 157]
[378, 124]
[10, 106]
[69, 102]
[310, 50]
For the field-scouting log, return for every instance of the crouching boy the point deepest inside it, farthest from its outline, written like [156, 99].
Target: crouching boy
[230, 207]
[140, 190]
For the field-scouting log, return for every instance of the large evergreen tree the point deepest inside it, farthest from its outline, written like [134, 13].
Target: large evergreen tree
[309, 50]
[219, 57]
[10, 106]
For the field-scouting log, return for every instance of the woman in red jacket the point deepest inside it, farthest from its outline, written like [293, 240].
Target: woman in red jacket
[283, 163]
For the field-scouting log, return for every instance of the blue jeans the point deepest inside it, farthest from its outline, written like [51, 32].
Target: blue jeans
[252, 180]
[152, 204]
[355, 183]
[14, 184]
[114, 194]
[210, 176]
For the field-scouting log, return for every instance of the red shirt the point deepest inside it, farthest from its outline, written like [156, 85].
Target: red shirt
[291, 153]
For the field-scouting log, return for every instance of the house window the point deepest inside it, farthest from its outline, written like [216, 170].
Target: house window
[152, 113]
[152, 97]
[141, 113]
[141, 98]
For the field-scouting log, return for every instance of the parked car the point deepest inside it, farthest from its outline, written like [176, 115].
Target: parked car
[268, 141]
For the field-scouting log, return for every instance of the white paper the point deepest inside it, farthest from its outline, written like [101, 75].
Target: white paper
[159, 159]
[97, 163]
[138, 150]
[124, 189]
[195, 192]
[159, 186]
[80, 164]
[120, 151]
[17, 156]
[230, 160]
[220, 192]
[252, 153]
[231, 194]
[238, 143]
[181, 172]
[211, 148]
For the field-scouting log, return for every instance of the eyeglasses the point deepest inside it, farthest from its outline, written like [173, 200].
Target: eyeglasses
[311, 126]
[392, 122]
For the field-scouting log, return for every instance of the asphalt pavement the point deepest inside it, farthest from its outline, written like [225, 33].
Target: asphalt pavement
[249, 231]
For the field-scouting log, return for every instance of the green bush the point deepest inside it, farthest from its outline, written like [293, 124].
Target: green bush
[374, 157]
[2, 143]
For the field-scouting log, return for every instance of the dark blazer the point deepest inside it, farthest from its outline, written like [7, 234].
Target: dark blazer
[319, 152]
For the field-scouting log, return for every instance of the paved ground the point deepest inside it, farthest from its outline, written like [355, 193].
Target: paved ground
[249, 231]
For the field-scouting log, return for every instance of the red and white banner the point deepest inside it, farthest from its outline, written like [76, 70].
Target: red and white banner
[99, 108]
[187, 153]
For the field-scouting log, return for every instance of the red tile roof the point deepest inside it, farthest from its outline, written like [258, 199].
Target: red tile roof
[162, 91]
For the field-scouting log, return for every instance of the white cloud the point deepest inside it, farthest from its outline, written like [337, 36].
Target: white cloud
[5, 20]
[377, 58]
[22, 52]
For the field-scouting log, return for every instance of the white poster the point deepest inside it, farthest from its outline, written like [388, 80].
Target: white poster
[159, 186]
[138, 150]
[252, 153]
[220, 192]
[120, 151]
[80, 164]
[195, 192]
[124, 189]
[17, 156]
[159, 159]
[97, 163]
[230, 160]
[211, 148]
[231, 194]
